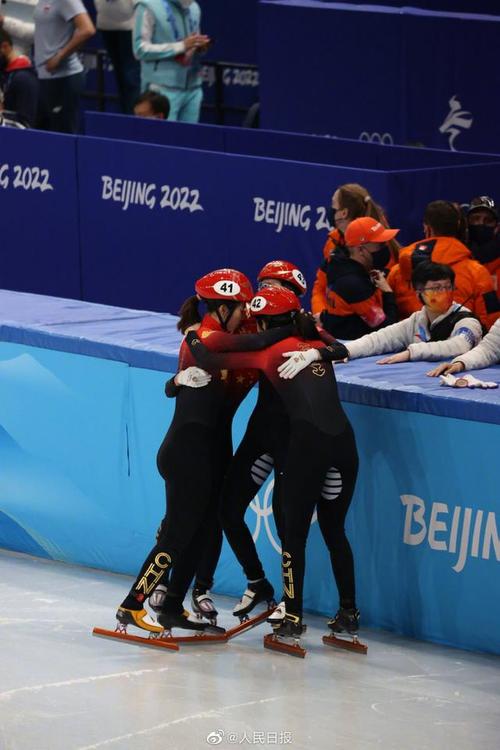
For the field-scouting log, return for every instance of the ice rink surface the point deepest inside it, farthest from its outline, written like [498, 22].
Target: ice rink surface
[63, 689]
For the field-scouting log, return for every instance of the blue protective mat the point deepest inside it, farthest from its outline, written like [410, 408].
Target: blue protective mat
[150, 340]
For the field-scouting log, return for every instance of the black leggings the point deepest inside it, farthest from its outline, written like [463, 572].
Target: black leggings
[191, 459]
[252, 463]
[308, 475]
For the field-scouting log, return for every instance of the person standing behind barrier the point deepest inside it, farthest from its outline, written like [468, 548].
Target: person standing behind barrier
[61, 27]
[484, 236]
[444, 228]
[349, 202]
[167, 41]
[359, 296]
[115, 21]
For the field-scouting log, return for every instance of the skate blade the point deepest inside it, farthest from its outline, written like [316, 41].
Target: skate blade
[154, 642]
[275, 643]
[201, 636]
[346, 644]
[249, 623]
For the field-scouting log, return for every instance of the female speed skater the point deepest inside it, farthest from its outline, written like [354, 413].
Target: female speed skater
[321, 444]
[193, 456]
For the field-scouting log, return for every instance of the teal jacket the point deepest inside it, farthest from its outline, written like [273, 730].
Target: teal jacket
[172, 24]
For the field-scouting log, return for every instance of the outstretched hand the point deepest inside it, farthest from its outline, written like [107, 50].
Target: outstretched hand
[395, 358]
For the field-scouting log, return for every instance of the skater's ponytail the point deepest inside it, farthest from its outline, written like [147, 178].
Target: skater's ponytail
[189, 313]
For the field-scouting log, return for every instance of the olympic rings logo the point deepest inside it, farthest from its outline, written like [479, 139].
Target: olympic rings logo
[264, 511]
[384, 139]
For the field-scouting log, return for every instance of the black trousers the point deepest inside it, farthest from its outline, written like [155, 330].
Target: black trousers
[311, 456]
[262, 448]
[60, 103]
[192, 463]
[127, 68]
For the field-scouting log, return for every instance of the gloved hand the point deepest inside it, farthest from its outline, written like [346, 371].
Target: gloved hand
[466, 381]
[193, 377]
[296, 362]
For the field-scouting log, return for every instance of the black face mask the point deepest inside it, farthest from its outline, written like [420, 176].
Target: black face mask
[3, 64]
[485, 245]
[330, 216]
[381, 258]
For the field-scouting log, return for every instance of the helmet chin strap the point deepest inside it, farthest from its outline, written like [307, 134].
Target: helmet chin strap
[224, 323]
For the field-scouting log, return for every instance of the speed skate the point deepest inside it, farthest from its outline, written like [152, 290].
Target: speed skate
[285, 637]
[344, 632]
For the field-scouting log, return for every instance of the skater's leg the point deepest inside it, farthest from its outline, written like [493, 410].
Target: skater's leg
[305, 468]
[188, 494]
[249, 469]
[332, 510]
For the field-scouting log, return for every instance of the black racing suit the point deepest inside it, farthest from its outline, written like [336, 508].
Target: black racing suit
[321, 452]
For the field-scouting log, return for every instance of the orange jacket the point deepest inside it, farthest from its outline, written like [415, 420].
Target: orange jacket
[493, 268]
[473, 283]
[320, 297]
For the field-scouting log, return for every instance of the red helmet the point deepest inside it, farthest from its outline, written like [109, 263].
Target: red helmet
[274, 300]
[283, 270]
[225, 283]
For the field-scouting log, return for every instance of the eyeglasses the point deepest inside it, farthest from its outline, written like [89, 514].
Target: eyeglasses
[437, 288]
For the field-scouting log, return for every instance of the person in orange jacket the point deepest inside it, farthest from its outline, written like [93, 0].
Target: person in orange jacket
[444, 231]
[359, 296]
[484, 236]
[349, 202]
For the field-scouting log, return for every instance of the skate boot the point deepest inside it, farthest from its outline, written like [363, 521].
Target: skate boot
[276, 618]
[203, 605]
[157, 598]
[173, 615]
[345, 621]
[140, 619]
[258, 591]
[286, 636]
[137, 617]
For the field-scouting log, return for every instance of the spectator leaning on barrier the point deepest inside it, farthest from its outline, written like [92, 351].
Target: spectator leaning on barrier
[18, 82]
[485, 354]
[167, 42]
[115, 21]
[484, 237]
[152, 105]
[360, 298]
[442, 328]
[444, 231]
[349, 202]
[61, 27]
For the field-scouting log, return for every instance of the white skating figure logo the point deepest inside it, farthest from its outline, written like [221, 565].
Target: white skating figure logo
[458, 119]
[331, 490]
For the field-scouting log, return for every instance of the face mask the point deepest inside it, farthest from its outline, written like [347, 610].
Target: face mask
[381, 258]
[481, 234]
[437, 302]
[3, 63]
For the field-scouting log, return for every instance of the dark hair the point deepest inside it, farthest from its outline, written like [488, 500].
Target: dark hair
[159, 103]
[445, 219]
[428, 271]
[304, 324]
[5, 37]
[189, 313]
